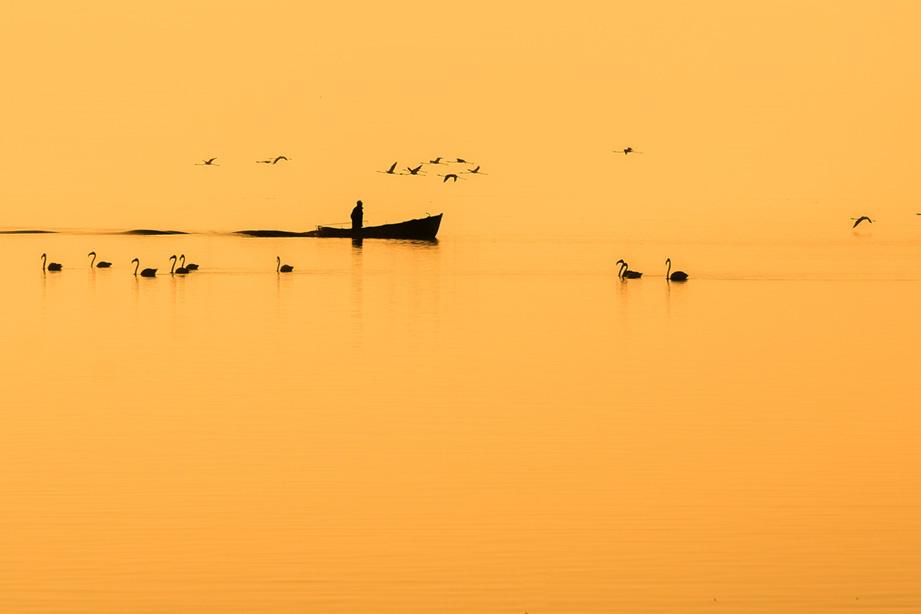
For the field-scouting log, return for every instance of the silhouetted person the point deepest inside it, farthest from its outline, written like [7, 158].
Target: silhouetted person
[358, 215]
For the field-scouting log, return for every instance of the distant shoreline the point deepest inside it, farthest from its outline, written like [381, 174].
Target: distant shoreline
[137, 231]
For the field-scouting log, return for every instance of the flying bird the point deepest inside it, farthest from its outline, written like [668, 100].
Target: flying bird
[626, 151]
[208, 162]
[390, 170]
[414, 171]
[677, 275]
[101, 264]
[436, 161]
[275, 161]
[450, 176]
[475, 171]
[52, 266]
[860, 219]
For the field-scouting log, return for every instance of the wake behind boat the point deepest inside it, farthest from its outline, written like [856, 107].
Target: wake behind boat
[422, 229]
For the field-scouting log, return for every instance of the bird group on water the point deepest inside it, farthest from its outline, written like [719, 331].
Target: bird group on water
[624, 271]
[178, 265]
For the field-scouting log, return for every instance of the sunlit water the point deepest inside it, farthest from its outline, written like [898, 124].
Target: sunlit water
[483, 424]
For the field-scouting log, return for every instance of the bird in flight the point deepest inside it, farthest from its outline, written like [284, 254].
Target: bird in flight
[275, 161]
[414, 171]
[208, 162]
[450, 176]
[271, 160]
[390, 170]
[860, 219]
[475, 171]
[626, 151]
[436, 161]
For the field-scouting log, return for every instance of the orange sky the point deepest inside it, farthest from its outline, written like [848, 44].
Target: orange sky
[107, 107]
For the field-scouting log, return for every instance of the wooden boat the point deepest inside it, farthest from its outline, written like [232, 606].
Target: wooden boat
[423, 229]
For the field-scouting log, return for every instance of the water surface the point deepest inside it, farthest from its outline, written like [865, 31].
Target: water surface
[486, 423]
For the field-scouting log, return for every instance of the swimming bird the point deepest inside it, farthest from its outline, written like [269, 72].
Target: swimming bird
[208, 162]
[101, 265]
[189, 267]
[414, 171]
[677, 275]
[180, 271]
[626, 273]
[626, 151]
[145, 272]
[860, 219]
[390, 170]
[282, 268]
[52, 266]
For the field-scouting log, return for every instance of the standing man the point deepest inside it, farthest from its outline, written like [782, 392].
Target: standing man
[357, 216]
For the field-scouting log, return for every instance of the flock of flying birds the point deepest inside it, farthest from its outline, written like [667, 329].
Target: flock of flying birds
[468, 169]
[182, 269]
[211, 161]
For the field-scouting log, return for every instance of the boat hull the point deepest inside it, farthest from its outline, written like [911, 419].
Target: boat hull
[422, 229]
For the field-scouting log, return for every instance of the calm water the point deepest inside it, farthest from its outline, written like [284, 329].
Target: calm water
[484, 424]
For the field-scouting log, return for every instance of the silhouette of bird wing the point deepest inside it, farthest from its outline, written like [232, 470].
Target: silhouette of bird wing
[275, 161]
